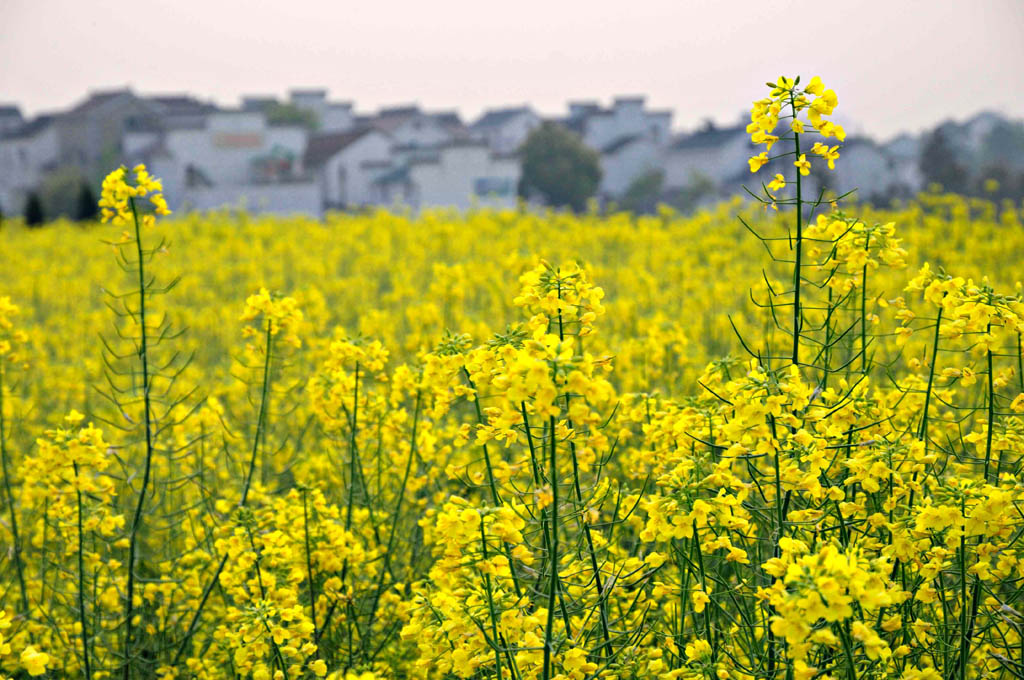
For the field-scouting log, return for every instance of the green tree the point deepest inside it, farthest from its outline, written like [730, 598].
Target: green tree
[559, 168]
[33, 210]
[939, 163]
[86, 209]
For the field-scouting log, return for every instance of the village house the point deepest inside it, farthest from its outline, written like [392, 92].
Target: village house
[266, 158]
[410, 126]
[711, 155]
[506, 129]
[86, 139]
[625, 160]
[599, 127]
[331, 117]
[10, 118]
[904, 153]
[230, 158]
[346, 164]
[871, 172]
[864, 170]
[630, 138]
[90, 135]
[27, 154]
[458, 174]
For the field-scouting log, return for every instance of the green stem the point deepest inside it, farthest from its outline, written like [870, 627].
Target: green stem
[133, 540]
[490, 603]
[309, 570]
[260, 417]
[799, 244]
[553, 554]
[923, 432]
[864, 317]
[352, 452]
[491, 483]
[848, 651]
[15, 539]
[81, 582]
[601, 603]
[704, 587]
[394, 520]
[1020, 363]
[991, 413]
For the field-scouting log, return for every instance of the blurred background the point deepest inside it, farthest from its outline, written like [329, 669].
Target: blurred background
[307, 107]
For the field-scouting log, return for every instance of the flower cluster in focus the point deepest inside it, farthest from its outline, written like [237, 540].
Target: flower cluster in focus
[788, 100]
[118, 193]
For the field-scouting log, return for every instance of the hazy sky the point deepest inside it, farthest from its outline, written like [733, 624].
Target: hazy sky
[896, 65]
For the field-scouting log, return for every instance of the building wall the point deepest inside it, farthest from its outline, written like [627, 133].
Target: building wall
[718, 163]
[10, 122]
[134, 142]
[356, 189]
[226, 147]
[510, 135]
[660, 125]
[620, 169]
[333, 116]
[420, 131]
[460, 175]
[862, 167]
[92, 139]
[337, 118]
[907, 175]
[626, 117]
[23, 163]
[292, 198]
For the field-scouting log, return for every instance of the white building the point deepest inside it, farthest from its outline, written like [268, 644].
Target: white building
[230, 158]
[26, 155]
[409, 126]
[331, 116]
[458, 174]
[10, 118]
[718, 155]
[630, 138]
[345, 165]
[625, 160]
[506, 129]
[873, 172]
[905, 153]
[627, 117]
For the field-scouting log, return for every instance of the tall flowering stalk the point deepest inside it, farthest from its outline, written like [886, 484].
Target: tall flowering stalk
[120, 204]
[789, 101]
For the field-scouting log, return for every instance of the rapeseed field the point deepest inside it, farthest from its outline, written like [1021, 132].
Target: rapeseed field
[778, 438]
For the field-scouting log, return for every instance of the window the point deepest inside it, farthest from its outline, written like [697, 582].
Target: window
[493, 186]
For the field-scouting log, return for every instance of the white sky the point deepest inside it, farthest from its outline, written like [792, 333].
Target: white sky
[896, 64]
